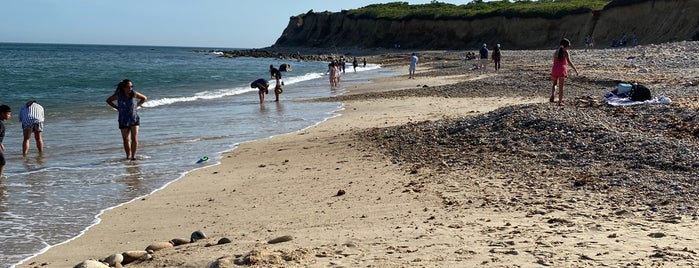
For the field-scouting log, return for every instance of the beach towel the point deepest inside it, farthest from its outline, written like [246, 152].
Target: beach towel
[625, 100]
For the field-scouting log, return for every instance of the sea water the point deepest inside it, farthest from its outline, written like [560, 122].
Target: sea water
[199, 104]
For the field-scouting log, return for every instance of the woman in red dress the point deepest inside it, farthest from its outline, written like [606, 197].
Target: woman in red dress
[559, 71]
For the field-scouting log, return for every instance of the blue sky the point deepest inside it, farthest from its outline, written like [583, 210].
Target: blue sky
[195, 23]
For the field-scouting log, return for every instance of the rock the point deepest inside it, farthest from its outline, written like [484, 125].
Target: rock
[133, 255]
[113, 259]
[198, 235]
[341, 192]
[281, 239]
[158, 246]
[179, 241]
[224, 240]
[656, 235]
[91, 264]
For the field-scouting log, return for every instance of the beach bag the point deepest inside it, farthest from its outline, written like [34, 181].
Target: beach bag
[623, 89]
[640, 93]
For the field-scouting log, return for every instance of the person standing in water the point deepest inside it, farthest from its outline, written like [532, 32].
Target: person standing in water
[128, 101]
[5, 113]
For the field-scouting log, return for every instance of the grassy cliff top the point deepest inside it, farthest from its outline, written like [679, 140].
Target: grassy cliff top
[476, 9]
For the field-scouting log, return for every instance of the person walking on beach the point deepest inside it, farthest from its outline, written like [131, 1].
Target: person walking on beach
[32, 117]
[559, 71]
[484, 57]
[262, 88]
[355, 63]
[413, 66]
[128, 101]
[589, 42]
[496, 56]
[364, 61]
[5, 114]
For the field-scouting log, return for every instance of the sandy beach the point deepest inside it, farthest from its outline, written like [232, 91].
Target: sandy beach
[456, 168]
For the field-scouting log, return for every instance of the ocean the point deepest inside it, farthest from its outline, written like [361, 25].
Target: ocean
[199, 104]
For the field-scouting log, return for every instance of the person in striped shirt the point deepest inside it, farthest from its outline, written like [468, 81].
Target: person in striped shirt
[32, 117]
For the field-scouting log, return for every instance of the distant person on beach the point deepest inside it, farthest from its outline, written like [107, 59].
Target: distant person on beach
[343, 64]
[355, 63]
[32, 117]
[333, 74]
[277, 75]
[5, 114]
[496, 56]
[262, 88]
[128, 101]
[589, 42]
[274, 73]
[559, 71]
[484, 57]
[413, 66]
[364, 61]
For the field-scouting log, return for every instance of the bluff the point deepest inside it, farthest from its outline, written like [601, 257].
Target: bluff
[650, 21]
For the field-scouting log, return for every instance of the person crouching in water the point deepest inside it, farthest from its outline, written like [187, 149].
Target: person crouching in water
[32, 117]
[559, 71]
[262, 88]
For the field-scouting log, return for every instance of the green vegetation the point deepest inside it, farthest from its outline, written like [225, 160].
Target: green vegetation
[477, 9]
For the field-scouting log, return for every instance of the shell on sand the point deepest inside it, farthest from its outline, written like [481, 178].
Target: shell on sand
[113, 259]
[91, 264]
[155, 246]
[130, 256]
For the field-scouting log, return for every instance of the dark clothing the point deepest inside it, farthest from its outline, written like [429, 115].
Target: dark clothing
[496, 55]
[128, 116]
[275, 73]
[259, 82]
[2, 137]
[484, 53]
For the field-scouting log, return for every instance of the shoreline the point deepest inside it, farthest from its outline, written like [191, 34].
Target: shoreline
[388, 213]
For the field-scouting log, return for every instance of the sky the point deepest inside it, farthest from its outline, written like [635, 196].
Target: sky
[189, 23]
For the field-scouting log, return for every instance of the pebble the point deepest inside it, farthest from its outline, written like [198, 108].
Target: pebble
[587, 145]
[155, 246]
[179, 241]
[133, 255]
[91, 264]
[281, 239]
[113, 259]
[197, 235]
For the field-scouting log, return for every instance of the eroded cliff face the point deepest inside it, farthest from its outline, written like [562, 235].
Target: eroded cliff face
[653, 21]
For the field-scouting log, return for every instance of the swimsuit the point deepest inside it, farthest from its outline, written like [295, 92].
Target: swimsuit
[127, 110]
[559, 69]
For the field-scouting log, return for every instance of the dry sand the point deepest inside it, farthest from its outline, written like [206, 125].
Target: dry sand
[348, 203]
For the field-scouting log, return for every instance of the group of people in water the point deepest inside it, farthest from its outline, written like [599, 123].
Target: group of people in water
[337, 67]
[262, 84]
[125, 100]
